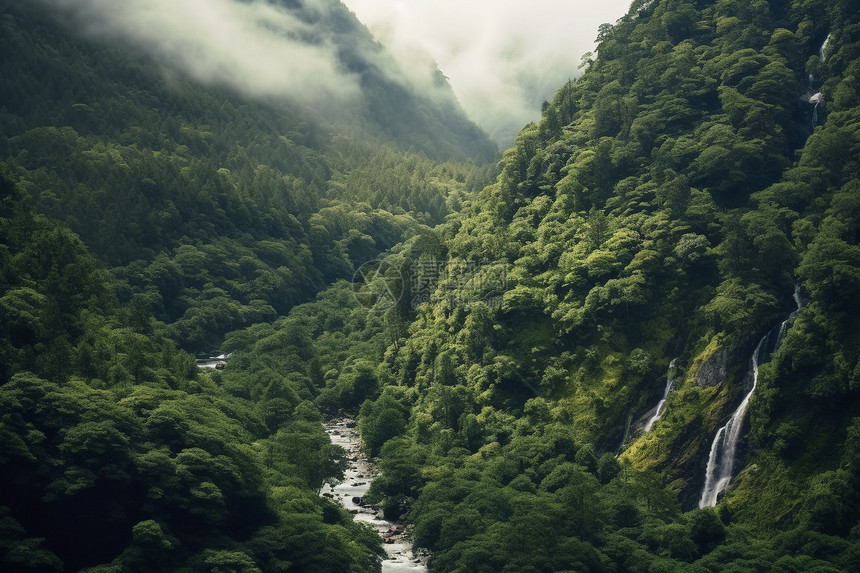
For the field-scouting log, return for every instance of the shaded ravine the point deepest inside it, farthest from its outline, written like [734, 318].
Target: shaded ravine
[349, 493]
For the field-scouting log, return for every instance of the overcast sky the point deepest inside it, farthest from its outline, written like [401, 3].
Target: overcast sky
[502, 57]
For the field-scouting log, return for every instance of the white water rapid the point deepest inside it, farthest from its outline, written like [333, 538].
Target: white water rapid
[659, 412]
[213, 361]
[721, 461]
[348, 493]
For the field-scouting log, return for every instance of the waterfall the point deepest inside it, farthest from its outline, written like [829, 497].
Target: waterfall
[659, 412]
[814, 97]
[823, 45]
[721, 460]
[816, 100]
[620, 447]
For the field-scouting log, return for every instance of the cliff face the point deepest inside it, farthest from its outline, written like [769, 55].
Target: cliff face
[714, 369]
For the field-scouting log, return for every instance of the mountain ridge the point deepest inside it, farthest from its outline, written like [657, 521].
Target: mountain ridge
[502, 357]
[98, 133]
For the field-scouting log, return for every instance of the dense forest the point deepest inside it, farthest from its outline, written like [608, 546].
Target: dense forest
[144, 216]
[631, 346]
[213, 211]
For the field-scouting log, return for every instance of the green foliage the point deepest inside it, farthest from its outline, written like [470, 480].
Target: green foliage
[664, 206]
[218, 213]
[118, 455]
[382, 420]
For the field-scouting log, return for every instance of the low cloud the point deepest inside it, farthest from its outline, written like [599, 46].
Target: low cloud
[503, 57]
[255, 47]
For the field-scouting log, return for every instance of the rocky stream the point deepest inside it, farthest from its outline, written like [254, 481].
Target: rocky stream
[350, 492]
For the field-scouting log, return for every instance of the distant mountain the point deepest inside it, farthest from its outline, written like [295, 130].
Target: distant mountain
[286, 140]
[311, 56]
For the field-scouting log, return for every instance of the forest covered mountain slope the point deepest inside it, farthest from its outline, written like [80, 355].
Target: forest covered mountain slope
[219, 208]
[691, 201]
[118, 455]
[547, 370]
[144, 213]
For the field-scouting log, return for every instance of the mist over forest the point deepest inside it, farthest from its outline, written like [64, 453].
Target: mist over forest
[503, 58]
[247, 247]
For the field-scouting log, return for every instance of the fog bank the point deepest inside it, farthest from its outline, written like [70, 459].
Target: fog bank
[503, 58]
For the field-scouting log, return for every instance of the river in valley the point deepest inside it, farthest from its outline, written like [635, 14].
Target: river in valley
[356, 482]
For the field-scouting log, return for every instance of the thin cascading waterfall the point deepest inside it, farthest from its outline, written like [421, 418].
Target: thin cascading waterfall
[823, 46]
[814, 97]
[659, 412]
[783, 327]
[815, 100]
[722, 457]
[626, 434]
[711, 477]
[721, 460]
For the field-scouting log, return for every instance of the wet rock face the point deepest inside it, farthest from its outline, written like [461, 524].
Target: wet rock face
[714, 369]
[350, 494]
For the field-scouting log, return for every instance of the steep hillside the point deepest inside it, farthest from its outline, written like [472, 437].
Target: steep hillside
[118, 455]
[636, 350]
[680, 227]
[221, 208]
[146, 211]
